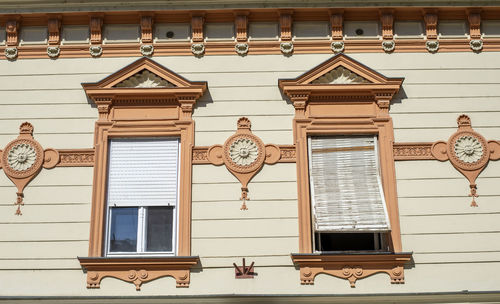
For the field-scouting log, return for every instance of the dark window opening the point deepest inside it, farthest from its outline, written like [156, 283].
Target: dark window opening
[350, 242]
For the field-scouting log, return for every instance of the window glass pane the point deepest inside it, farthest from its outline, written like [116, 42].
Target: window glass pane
[159, 228]
[123, 231]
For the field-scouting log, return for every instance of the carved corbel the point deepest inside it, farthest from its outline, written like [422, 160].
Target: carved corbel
[474, 17]
[351, 267]
[197, 22]
[383, 102]
[96, 29]
[244, 155]
[286, 25]
[11, 28]
[387, 20]
[337, 20]
[187, 104]
[468, 151]
[241, 22]
[54, 27]
[138, 271]
[299, 100]
[147, 29]
[23, 158]
[431, 20]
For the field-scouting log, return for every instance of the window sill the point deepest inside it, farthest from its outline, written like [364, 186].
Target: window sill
[138, 270]
[351, 266]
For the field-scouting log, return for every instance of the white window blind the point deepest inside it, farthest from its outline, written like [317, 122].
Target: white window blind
[143, 172]
[346, 191]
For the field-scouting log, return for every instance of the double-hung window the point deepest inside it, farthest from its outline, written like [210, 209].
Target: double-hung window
[348, 206]
[142, 196]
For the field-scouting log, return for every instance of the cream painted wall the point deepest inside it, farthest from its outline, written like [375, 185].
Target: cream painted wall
[456, 247]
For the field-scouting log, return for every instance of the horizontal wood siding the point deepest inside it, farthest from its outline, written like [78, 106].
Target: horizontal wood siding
[456, 247]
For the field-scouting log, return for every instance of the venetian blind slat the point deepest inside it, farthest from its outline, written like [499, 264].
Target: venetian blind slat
[346, 191]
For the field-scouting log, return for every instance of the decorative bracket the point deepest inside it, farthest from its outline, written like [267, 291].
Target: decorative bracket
[468, 152]
[243, 154]
[244, 272]
[23, 158]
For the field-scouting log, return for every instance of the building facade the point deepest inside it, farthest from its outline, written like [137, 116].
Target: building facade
[253, 152]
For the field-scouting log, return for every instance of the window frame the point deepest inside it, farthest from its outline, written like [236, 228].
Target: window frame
[126, 112]
[345, 109]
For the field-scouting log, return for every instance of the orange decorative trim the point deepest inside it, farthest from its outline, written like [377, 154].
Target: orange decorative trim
[146, 29]
[96, 23]
[351, 267]
[387, 21]
[412, 151]
[200, 154]
[197, 22]
[12, 27]
[241, 22]
[23, 158]
[54, 28]
[162, 109]
[474, 18]
[468, 151]
[243, 154]
[431, 20]
[286, 25]
[323, 108]
[336, 21]
[76, 158]
[138, 270]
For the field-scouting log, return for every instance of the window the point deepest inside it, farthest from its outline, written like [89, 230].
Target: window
[142, 196]
[348, 205]
[345, 172]
[140, 225]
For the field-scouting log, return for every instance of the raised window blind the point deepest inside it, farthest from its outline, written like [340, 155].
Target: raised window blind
[143, 172]
[346, 191]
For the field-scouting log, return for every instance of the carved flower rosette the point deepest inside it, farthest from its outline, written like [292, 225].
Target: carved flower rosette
[22, 157]
[468, 150]
[244, 153]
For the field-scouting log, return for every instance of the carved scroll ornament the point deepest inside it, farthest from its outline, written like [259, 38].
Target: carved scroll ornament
[243, 154]
[23, 158]
[468, 152]
[351, 267]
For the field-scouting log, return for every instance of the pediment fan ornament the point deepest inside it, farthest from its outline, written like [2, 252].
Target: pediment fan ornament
[145, 79]
[340, 75]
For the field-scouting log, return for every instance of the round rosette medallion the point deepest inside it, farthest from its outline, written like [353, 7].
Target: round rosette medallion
[244, 152]
[468, 150]
[22, 158]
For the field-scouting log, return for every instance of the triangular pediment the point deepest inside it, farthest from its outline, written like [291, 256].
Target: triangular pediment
[143, 73]
[340, 76]
[340, 69]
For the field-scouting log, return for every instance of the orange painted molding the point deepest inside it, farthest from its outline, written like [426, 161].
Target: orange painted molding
[468, 151]
[412, 151]
[200, 154]
[146, 29]
[54, 29]
[23, 158]
[76, 158]
[138, 270]
[241, 25]
[144, 99]
[327, 105]
[243, 154]
[351, 267]
[12, 29]
[285, 24]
